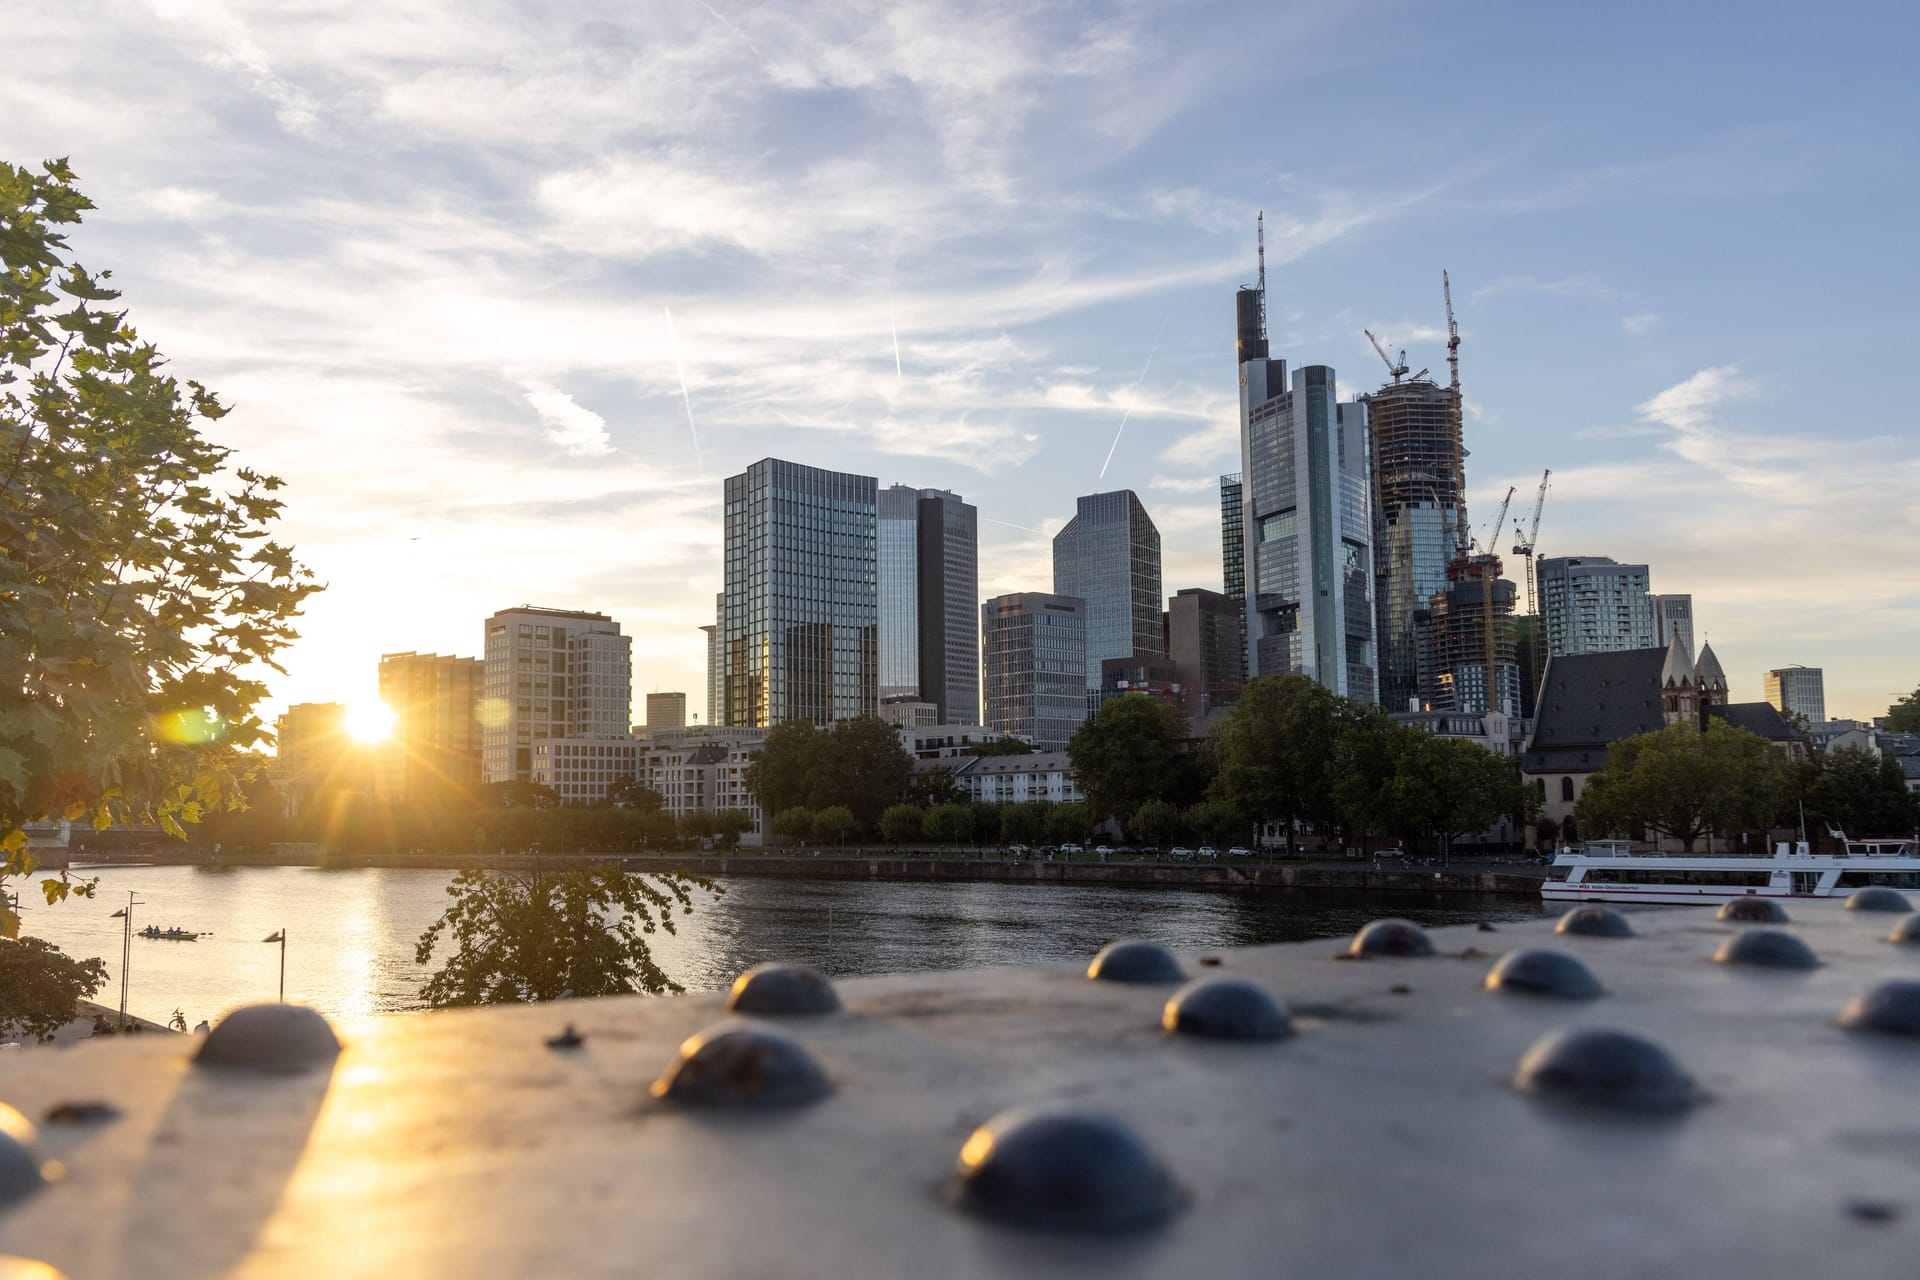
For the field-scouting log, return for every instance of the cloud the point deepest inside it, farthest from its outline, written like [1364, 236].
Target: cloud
[577, 430]
[1639, 326]
[1564, 287]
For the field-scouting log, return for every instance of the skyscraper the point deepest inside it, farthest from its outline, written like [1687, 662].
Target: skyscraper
[1416, 514]
[1673, 616]
[1798, 691]
[1457, 634]
[1108, 555]
[1203, 639]
[929, 567]
[436, 728]
[666, 711]
[798, 627]
[1036, 684]
[1233, 558]
[1594, 604]
[551, 674]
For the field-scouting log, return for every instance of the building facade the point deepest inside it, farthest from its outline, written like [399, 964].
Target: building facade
[799, 618]
[584, 770]
[551, 673]
[1209, 656]
[1798, 691]
[1673, 616]
[435, 701]
[703, 770]
[1108, 556]
[1044, 777]
[1594, 604]
[310, 743]
[1415, 456]
[666, 711]
[929, 576]
[1036, 666]
[1456, 642]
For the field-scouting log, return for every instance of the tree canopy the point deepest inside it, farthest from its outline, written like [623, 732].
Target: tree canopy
[1686, 783]
[1131, 752]
[858, 765]
[40, 985]
[1904, 715]
[1854, 791]
[140, 594]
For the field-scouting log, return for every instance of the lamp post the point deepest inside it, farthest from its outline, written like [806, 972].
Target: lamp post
[126, 949]
[280, 936]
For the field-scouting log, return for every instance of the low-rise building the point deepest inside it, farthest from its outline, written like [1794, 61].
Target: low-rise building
[945, 741]
[584, 770]
[1041, 777]
[703, 770]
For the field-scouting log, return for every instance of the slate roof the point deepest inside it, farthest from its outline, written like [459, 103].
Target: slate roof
[1035, 762]
[1588, 700]
[1756, 717]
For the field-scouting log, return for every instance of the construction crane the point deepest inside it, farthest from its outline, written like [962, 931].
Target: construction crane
[1465, 563]
[1396, 371]
[1493, 531]
[1459, 431]
[1530, 538]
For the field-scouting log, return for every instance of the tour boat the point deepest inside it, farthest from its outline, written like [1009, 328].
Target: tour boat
[1606, 871]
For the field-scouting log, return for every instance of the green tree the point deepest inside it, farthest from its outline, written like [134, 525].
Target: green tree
[1023, 823]
[901, 823]
[950, 824]
[637, 796]
[861, 767]
[1685, 783]
[1274, 752]
[1155, 823]
[780, 774]
[140, 596]
[731, 824]
[1904, 715]
[1068, 823]
[794, 824]
[536, 934]
[983, 824]
[934, 786]
[39, 987]
[1217, 822]
[518, 794]
[1128, 753]
[836, 825]
[1860, 794]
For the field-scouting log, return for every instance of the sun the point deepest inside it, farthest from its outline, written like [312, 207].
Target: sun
[370, 721]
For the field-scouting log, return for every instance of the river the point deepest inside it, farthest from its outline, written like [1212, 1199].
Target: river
[351, 933]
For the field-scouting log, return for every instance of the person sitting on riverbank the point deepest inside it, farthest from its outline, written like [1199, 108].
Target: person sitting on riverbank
[101, 1027]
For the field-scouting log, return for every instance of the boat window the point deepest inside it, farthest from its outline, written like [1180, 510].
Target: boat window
[1559, 873]
[1624, 875]
[1891, 879]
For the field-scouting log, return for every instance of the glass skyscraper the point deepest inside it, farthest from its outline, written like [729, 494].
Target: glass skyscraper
[1036, 666]
[1416, 515]
[1109, 556]
[1594, 604]
[799, 616]
[929, 562]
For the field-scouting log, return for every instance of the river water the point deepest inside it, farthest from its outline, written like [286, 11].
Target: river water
[351, 933]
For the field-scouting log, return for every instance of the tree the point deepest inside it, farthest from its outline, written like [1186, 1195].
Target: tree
[1274, 752]
[1023, 823]
[39, 987]
[1129, 753]
[858, 765]
[935, 786]
[794, 824]
[836, 825]
[636, 795]
[1904, 715]
[517, 794]
[1861, 794]
[1155, 823]
[1068, 823]
[1217, 822]
[1685, 782]
[901, 823]
[779, 776]
[731, 824]
[140, 596]
[950, 823]
[537, 934]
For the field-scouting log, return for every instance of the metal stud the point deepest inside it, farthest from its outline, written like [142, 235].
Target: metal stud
[1907, 932]
[1766, 949]
[1066, 1169]
[742, 1066]
[1226, 1009]
[1878, 897]
[12, 1268]
[269, 1037]
[1543, 972]
[1752, 910]
[1391, 938]
[21, 1173]
[778, 989]
[1891, 1007]
[1598, 1067]
[1594, 922]
[1143, 962]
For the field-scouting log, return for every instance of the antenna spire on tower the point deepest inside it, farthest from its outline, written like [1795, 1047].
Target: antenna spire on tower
[1260, 240]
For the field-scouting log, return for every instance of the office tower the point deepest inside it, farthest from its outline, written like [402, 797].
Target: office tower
[1036, 670]
[1203, 639]
[551, 674]
[1798, 691]
[712, 632]
[436, 728]
[1233, 556]
[929, 576]
[1457, 632]
[310, 740]
[799, 624]
[666, 711]
[1673, 616]
[1594, 604]
[1108, 555]
[1416, 526]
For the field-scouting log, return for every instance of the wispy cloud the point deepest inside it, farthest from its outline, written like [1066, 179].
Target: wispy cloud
[575, 429]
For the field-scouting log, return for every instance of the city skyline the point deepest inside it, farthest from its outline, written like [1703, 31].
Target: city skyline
[452, 296]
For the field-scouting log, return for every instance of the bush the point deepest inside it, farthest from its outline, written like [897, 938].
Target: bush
[794, 824]
[901, 823]
[836, 825]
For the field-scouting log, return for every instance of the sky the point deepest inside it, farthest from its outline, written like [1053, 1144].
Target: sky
[503, 291]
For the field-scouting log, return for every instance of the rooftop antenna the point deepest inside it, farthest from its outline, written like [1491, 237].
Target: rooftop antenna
[1260, 239]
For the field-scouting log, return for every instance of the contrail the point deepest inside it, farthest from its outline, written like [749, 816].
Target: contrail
[685, 399]
[1022, 528]
[1136, 391]
[897, 375]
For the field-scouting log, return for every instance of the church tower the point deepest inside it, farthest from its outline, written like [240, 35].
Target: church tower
[1679, 685]
[1710, 682]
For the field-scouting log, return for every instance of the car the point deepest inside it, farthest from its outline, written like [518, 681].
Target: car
[1208, 852]
[1180, 853]
[1070, 849]
[1239, 851]
[1389, 853]
[1018, 851]
[1104, 850]
[1126, 849]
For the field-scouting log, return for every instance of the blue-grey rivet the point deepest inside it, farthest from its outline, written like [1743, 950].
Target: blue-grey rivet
[1766, 948]
[1064, 1168]
[1604, 1068]
[1891, 1007]
[783, 989]
[269, 1037]
[1226, 1009]
[1907, 932]
[742, 1066]
[1594, 922]
[21, 1173]
[1752, 911]
[1878, 897]
[1543, 972]
[1391, 938]
[1135, 962]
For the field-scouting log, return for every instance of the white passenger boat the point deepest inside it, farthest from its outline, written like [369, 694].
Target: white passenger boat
[1606, 871]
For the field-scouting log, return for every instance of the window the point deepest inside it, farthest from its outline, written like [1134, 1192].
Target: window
[1566, 789]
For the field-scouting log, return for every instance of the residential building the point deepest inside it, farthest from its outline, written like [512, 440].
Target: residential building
[584, 770]
[1206, 642]
[551, 673]
[703, 770]
[435, 702]
[947, 741]
[1798, 691]
[907, 711]
[1594, 604]
[798, 627]
[929, 600]
[1108, 556]
[1036, 666]
[1672, 616]
[1416, 457]
[1492, 731]
[1043, 777]
[666, 711]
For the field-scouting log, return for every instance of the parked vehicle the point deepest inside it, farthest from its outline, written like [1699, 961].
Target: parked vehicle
[1180, 853]
[1239, 851]
[1208, 852]
[1071, 849]
[1104, 850]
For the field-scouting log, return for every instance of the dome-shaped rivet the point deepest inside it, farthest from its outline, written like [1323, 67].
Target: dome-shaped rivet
[1891, 1007]
[1752, 911]
[1226, 1009]
[269, 1037]
[742, 1066]
[21, 1173]
[1878, 897]
[777, 989]
[1542, 972]
[1767, 949]
[1603, 1068]
[1907, 932]
[27, 1269]
[1144, 962]
[1064, 1168]
[1594, 922]
[1391, 938]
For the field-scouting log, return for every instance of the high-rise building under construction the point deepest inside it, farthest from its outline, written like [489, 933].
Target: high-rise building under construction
[1416, 526]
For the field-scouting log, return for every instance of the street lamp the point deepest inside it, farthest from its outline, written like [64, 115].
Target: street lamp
[280, 936]
[126, 949]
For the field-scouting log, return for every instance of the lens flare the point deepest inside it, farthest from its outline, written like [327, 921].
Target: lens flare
[370, 721]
